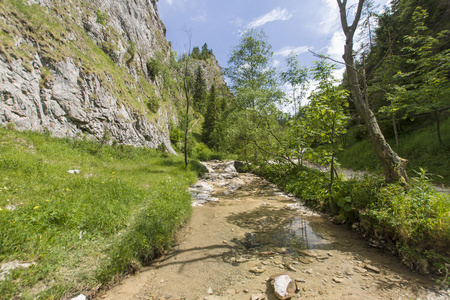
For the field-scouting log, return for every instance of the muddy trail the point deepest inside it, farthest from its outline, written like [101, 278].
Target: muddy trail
[244, 229]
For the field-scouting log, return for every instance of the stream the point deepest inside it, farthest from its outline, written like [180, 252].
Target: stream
[244, 230]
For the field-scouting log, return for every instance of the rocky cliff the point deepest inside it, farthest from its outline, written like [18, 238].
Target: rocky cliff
[79, 68]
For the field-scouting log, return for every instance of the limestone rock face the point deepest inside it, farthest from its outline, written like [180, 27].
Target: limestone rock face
[87, 75]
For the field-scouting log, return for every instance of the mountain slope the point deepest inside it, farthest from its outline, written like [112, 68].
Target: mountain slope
[79, 68]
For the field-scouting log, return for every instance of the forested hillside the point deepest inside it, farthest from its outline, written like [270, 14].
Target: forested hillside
[406, 64]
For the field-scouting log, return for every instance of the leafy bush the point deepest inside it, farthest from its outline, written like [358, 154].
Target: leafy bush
[417, 220]
[202, 152]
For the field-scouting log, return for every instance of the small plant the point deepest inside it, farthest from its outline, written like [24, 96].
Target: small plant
[130, 54]
[102, 17]
[10, 126]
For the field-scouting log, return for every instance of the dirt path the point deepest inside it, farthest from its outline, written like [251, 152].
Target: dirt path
[250, 231]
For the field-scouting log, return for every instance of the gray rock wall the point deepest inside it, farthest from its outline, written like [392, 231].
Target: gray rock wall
[67, 100]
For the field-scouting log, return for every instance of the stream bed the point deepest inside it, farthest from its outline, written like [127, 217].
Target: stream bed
[244, 230]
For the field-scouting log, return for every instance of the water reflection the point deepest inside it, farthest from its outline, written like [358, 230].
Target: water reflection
[275, 228]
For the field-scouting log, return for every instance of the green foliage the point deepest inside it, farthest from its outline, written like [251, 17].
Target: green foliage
[417, 221]
[251, 124]
[428, 87]
[326, 115]
[130, 54]
[102, 17]
[419, 146]
[202, 152]
[154, 68]
[203, 55]
[199, 91]
[211, 118]
[64, 221]
[297, 77]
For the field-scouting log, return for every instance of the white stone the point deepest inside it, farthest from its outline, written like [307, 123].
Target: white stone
[280, 285]
[74, 172]
[80, 297]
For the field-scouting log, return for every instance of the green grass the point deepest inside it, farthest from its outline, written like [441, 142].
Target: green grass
[420, 147]
[81, 230]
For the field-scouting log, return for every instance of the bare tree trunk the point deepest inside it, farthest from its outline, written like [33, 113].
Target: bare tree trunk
[393, 165]
[394, 123]
[186, 93]
[438, 127]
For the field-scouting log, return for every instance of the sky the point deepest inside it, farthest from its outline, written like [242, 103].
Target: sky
[291, 26]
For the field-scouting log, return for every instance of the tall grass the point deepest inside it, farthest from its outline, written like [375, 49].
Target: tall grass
[420, 147]
[83, 229]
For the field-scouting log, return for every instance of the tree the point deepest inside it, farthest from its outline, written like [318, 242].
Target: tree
[205, 52]
[199, 91]
[428, 87]
[186, 79]
[195, 53]
[297, 77]
[253, 114]
[252, 76]
[394, 166]
[326, 118]
[211, 117]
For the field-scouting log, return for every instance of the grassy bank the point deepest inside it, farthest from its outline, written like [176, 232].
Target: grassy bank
[414, 224]
[420, 147]
[80, 231]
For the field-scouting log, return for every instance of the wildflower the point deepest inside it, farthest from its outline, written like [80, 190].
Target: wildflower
[1, 209]
[36, 207]
[47, 200]
[103, 182]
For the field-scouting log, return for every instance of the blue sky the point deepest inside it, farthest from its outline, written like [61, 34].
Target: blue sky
[291, 25]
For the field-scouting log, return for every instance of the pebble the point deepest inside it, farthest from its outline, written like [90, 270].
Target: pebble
[338, 280]
[246, 291]
[308, 253]
[210, 291]
[258, 270]
[372, 268]
[305, 260]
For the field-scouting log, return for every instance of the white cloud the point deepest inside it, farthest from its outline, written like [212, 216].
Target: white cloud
[328, 17]
[285, 51]
[170, 2]
[275, 15]
[237, 22]
[200, 18]
[335, 48]
[338, 73]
